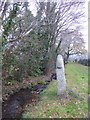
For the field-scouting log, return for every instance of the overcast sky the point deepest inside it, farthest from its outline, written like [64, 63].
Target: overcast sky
[85, 25]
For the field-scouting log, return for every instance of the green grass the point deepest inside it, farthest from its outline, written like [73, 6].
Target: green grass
[67, 106]
[89, 80]
[77, 77]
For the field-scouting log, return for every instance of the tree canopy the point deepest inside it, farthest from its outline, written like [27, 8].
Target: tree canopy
[31, 43]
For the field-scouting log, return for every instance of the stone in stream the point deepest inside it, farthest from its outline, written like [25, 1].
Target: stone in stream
[53, 76]
[61, 81]
[39, 88]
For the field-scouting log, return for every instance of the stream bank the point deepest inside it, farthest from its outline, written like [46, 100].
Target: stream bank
[14, 106]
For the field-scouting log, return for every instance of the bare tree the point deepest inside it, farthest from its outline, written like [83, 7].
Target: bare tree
[58, 18]
[51, 20]
[73, 43]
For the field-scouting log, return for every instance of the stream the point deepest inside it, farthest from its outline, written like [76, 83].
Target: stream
[14, 106]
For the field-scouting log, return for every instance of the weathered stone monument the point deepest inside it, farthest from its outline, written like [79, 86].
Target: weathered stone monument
[61, 81]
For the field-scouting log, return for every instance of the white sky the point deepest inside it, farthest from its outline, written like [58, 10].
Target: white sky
[85, 25]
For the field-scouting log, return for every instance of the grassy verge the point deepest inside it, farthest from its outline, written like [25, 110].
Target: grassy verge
[89, 80]
[67, 106]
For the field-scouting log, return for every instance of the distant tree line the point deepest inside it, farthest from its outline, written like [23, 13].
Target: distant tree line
[85, 62]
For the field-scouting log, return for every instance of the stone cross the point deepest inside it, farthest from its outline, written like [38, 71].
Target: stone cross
[60, 73]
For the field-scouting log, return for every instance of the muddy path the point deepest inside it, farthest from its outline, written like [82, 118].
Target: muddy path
[14, 106]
